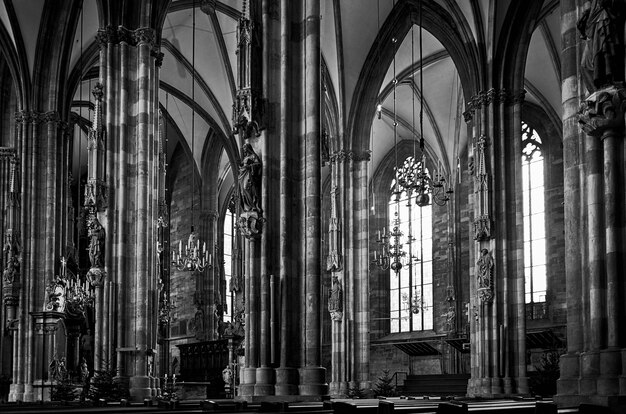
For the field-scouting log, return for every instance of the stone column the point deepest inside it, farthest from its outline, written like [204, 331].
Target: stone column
[312, 375]
[129, 61]
[360, 283]
[286, 373]
[497, 308]
[602, 118]
[568, 383]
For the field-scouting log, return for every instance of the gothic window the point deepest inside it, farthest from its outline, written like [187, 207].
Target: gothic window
[534, 216]
[228, 263]
[411, 289]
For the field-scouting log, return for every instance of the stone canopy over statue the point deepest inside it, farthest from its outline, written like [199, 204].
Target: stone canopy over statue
[602, 28]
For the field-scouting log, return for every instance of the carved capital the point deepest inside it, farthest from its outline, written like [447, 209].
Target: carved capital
[145, 35]
[158, 57]
[364, 156]
[23, 117]
[51, 116]
[7, 153]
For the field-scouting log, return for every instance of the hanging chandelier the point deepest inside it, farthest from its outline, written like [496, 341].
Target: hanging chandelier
[391, 253]
[193, 258]
[425, 188]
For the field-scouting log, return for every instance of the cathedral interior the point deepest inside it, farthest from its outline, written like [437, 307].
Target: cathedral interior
[273, 200]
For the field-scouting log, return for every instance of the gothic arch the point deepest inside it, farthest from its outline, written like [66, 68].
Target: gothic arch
[440, 24]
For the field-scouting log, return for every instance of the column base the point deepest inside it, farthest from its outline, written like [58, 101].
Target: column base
[610, 367]
[264, 384]
[622, 378]
[248, 379]
[140, 388]
[16, 392]
[569, 379]
[496, 386]
[522, 386]
[590, 371]
[29, 393]
[508, 385]
[286, 381]
[313, 381]
[338, 389]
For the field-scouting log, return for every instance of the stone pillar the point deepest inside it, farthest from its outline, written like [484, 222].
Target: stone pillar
[360, 282]
[312, 375]
[248, 376]
[602, 119]
[128, 63]
[286, 374]
[497, 306]
[568, 383]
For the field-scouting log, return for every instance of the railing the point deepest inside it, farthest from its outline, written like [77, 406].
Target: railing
[536, 310]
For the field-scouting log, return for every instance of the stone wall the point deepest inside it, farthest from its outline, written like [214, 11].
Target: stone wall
[182, 283]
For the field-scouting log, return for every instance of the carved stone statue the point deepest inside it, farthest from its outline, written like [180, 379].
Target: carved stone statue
[96, 234]
[84, 370]
[249, 180]
[602, 27]
[12, 270]
[335, 299]
[484, 268]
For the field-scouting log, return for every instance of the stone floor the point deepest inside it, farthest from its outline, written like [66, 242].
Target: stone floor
[334, 406]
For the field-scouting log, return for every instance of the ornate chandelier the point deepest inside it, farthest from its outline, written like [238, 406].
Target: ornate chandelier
[413, 177]
[391, 254]
[425, 187]
[194, 258]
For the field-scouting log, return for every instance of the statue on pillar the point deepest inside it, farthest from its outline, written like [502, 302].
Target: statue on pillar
[11, 260]
[602, 28]
[12, 270]
[249, 180]
[249, 185]
[96, 234]
[335, 300]
[484, 269]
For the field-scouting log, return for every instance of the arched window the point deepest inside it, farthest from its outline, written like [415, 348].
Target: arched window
[228, 263]
[534, 218]
[411, 289]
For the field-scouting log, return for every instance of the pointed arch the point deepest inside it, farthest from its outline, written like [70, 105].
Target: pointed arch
[441, 25]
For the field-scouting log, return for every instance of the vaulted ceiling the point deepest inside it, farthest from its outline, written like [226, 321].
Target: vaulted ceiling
[349, 32]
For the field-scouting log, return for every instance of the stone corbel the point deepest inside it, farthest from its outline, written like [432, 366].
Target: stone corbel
[250, 224]
[603, 111]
